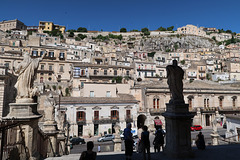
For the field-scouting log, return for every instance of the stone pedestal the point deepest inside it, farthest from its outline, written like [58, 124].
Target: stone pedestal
[62, 144]
[215, 137]
[117, 140]
[117, 144]
[178, 134]
[26, 114]
[23, 111]
[50, 128]
[30, 130]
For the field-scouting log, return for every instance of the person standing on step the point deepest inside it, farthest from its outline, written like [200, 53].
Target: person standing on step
[146, 142]
[89, 154]
[128, 141]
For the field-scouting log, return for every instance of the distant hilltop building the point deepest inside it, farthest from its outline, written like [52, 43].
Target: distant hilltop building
[50, 26]
[191, 29]
[12, 25]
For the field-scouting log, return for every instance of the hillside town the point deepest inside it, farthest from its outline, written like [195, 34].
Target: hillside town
[89, 81]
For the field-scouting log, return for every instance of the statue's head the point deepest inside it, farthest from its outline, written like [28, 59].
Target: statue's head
[175, 63]
[26, 56]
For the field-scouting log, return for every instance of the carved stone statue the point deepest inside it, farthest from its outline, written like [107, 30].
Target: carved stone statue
[175, 75]
[26, 71]
[215, 121]
[49, 111]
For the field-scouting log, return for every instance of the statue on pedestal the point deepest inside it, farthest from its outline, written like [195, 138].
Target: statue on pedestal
[215, 134]
[26, 71]
[49, 108]
[175, 76]
[117, 140]
[215, 122]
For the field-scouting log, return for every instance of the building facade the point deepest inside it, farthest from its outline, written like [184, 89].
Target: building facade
[12, 25]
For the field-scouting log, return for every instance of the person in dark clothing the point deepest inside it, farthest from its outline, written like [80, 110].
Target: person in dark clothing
[145, 142]
[200, 142]
[159, 139]
[89, 154]
[128, 142]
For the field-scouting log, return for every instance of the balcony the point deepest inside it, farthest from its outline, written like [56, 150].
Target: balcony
[61, 58]
[146, 69]
[209, 109]
[202, 71]
[156, 111]
[105, 120]
[201, 77]
[192, 76]
[228, 110]
[128, 118]
[45, 71]
[81, 121]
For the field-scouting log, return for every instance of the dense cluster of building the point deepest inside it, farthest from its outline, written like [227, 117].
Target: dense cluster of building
[98, 83]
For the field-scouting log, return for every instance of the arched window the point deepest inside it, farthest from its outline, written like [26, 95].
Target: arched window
[221, 101]
[234, 101]
[81, 116]
[96, 115]
[41, 79]
[154, 103]
[128, 113]
[157, 103]
[114, 114]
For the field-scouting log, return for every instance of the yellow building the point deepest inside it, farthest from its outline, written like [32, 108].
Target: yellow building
[50, 26]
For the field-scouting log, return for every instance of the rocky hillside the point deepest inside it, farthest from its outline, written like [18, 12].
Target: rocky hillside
[173, 42]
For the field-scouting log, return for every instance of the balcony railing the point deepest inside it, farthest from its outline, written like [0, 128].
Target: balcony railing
[105, 120]
[223, 110]
[81, 121]
[201, 77]
[192, 76]
[202, 71]
[157, 111]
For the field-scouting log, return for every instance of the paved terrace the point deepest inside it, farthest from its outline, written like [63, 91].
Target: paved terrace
[221, 152]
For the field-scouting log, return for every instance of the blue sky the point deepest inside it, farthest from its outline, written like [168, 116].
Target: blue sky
[111, 15]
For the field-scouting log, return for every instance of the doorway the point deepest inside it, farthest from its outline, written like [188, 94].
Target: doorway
[95, 129]
[80, 130]
[207, 120]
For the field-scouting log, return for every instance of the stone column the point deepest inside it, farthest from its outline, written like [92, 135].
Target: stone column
[178, 134]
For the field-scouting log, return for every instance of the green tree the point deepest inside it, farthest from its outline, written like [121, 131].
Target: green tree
[71, 30]
[228, 31]
[71, 34]
[170, 28]
[54, 87]
[175, 46]
[214, 38]
[151, 54]
[123, 30]
[82, 29]
[82, 36]
[145, 31]
[162, 29]
[182, 62]
[67, 92]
